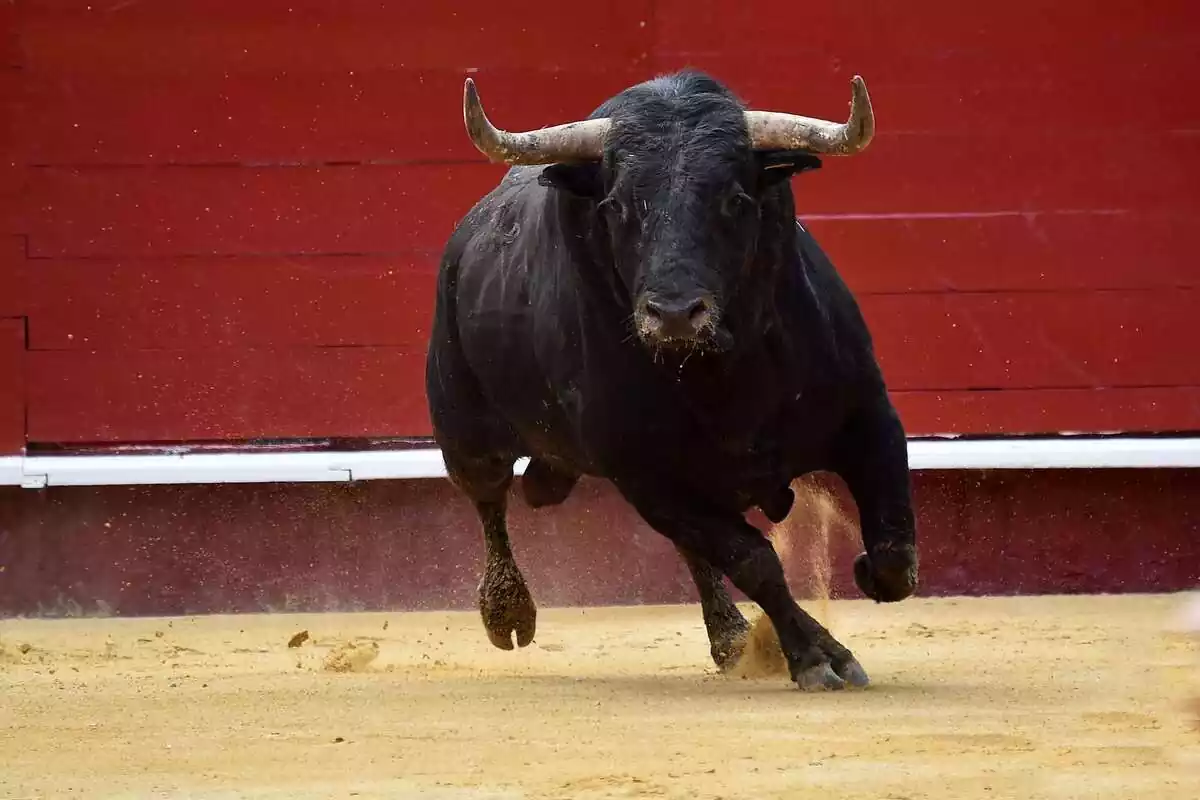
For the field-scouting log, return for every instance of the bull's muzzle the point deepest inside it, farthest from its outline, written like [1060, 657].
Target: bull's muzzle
[664, 321]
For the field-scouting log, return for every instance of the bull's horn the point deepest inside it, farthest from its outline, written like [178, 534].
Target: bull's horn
[575, 141]
[771, 130]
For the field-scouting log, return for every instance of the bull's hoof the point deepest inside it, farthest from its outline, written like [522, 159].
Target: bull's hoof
[853, 674]
[727, 649]
[506, 606]
[889, 582]
[819, 678]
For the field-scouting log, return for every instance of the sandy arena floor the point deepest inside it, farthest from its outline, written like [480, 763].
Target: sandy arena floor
[1016, 698]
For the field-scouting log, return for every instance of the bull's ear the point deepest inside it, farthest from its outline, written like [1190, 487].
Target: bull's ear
[581, 180]
[779, 165]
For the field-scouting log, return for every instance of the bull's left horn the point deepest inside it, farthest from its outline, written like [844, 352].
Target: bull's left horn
[575, 141]
[772, 130]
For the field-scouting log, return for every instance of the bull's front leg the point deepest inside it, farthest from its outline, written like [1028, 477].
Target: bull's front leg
[871, 455]
[739, 550]
[725, 624]
[505, 603]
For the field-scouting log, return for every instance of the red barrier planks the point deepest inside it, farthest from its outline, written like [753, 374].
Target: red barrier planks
[925, 342]
[375, 116]
[12, 386]
[13, 197]
[217, 117]
[169, 395]
[902, 175]
[1003, 168]
[1113, 89]
[207, 549]
[314, 35]
[1012, 252]
[1028, 29]
[235, 210]
[1050, 411]
[926, 339]
[152, 396]
[11, 174]
[12, 277]
[1027, 70]
[184, 211]
[947, 85]
[1035, 340]
[10, 52]
[197, 304]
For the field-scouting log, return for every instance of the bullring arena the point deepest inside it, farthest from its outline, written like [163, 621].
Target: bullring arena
[1015, 697]
[1034, 697]
[232, 565]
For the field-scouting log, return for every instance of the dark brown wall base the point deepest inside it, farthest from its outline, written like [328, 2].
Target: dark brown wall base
[415, 545]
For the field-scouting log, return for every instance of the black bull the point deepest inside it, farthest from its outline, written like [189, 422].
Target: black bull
[636, 301]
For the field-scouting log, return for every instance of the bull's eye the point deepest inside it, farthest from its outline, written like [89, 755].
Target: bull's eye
[737, 203]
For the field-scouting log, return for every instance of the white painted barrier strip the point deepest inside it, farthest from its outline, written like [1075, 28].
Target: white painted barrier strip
[345, 466]
[1056, 453]
[10, 470]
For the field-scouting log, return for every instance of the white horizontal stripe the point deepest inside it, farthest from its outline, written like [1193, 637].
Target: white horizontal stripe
[10, 470]
[1057, 453]
[343, 467]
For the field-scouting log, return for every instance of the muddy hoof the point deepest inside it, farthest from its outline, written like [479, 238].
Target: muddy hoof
[729, 648]
[506, 606]
[819, 678]
[854, 675]
[501, 635]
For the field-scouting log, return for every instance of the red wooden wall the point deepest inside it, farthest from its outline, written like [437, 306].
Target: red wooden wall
[406, 545]
[221, 219]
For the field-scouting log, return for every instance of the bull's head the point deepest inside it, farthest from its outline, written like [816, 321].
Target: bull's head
[690, 188]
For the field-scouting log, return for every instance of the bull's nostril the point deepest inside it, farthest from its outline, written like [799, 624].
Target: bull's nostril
[676, 319]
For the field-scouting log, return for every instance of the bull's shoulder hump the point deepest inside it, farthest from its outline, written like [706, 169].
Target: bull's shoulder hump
[493, 213]
[517, 196]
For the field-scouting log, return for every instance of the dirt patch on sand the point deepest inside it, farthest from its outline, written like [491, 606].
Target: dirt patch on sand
[351, 657]
[12, 654]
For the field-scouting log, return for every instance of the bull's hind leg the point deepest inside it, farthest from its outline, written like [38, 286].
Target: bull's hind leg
[726, 626]
[504, 600]
[477, 447]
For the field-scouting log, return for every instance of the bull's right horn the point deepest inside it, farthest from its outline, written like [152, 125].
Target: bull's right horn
[575, 141]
